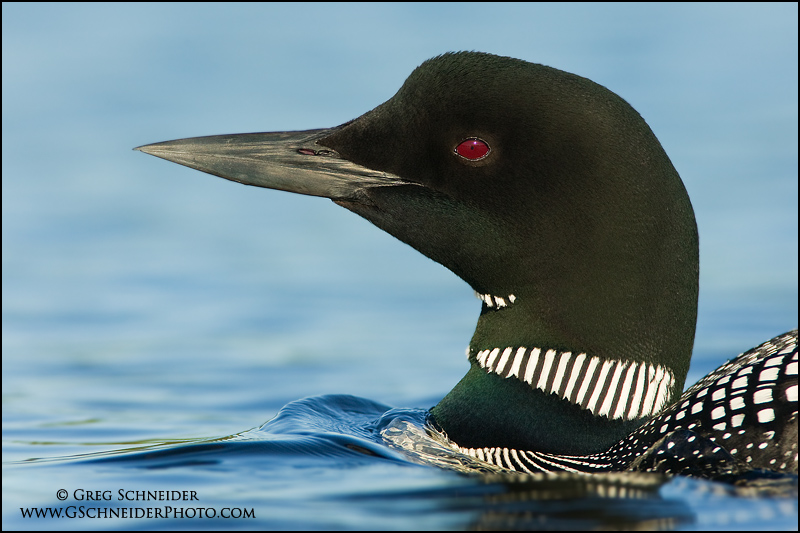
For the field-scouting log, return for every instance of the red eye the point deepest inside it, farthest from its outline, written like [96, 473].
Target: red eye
[473, 149]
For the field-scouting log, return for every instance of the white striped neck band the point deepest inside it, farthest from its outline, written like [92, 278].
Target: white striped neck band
[617, 389]
[496, 302]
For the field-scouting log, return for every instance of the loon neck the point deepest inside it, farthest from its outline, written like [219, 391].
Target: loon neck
[568, 386]
[633, 327]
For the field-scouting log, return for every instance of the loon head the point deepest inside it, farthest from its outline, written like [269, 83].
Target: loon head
[552, 198]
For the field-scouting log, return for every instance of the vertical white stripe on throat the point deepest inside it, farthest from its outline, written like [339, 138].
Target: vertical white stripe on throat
[613, 388]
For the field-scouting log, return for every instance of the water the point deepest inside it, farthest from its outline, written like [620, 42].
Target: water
[320, 465]
[151, 312]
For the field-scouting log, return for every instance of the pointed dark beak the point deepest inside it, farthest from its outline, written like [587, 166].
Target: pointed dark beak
[291, 161]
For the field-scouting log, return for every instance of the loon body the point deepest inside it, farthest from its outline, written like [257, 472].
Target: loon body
[552, 198]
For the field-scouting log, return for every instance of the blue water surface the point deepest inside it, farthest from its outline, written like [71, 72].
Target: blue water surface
[165, 330]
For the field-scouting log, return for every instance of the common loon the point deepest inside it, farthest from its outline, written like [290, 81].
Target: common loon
[552, 198]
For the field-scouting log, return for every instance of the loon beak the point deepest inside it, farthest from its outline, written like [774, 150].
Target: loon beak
[291, 161]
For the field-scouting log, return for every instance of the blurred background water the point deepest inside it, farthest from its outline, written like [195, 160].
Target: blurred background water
[145, 303]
